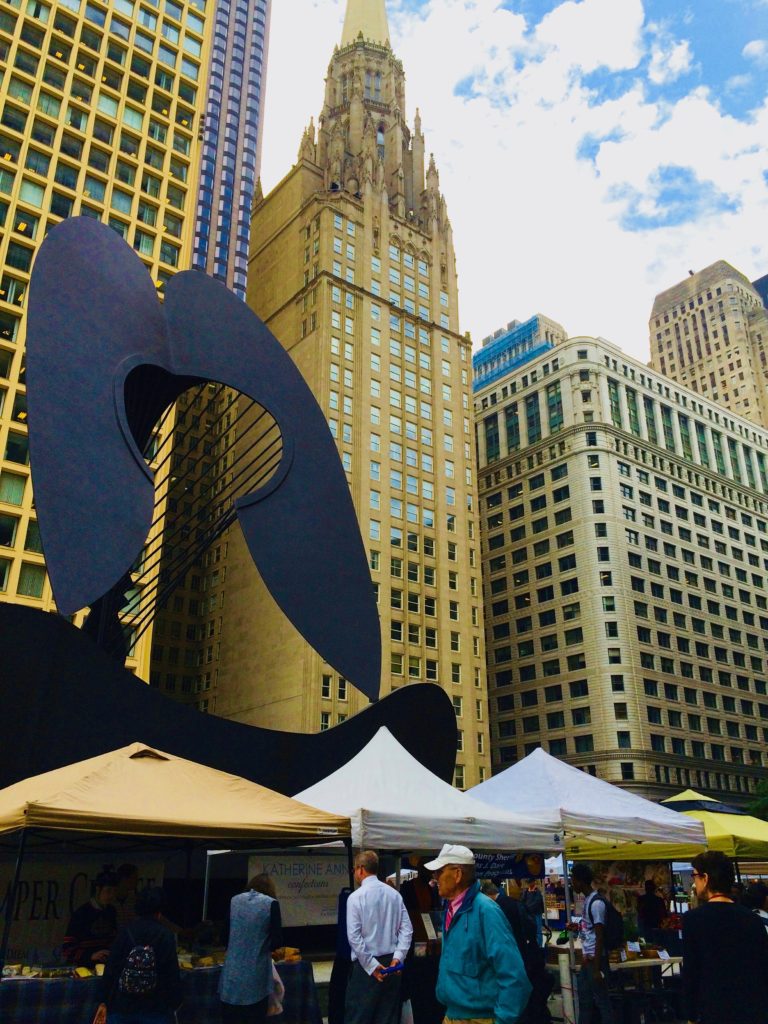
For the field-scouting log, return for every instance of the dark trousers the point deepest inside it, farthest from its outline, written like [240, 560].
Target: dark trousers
[419, 982]
[592, 995]
[370, 1001]
[252, 1013]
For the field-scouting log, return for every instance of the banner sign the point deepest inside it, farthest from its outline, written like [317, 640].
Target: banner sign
[509, 865]
[49, 892]
[307, 885]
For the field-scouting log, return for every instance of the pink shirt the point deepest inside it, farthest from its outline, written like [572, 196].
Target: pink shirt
[454, 905]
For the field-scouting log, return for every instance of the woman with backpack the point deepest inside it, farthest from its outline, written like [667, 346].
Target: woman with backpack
[141, 982]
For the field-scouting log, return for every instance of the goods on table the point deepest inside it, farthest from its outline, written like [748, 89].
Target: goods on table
[286, 954]
[189, 961]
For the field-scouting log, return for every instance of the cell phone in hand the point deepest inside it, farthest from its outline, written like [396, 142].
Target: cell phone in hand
[392, 970]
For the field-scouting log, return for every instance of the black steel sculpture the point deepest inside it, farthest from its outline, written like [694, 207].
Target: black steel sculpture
[68, 700]
[104, 360]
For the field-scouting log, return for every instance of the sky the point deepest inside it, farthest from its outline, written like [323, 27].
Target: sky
[591, 153]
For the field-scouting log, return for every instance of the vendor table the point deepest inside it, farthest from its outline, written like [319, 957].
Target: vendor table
[634, 965]
[74, 1001]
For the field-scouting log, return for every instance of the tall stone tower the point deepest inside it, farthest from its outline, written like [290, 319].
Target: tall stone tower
[710, 332]
[353, 269]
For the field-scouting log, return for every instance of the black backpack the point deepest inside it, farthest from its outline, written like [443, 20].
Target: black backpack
[613, 929]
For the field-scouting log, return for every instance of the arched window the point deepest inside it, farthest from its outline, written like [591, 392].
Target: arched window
[344, 88]
[368, 78]
[380, 140]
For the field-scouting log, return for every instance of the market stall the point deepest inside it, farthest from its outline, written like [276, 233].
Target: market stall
[599, 821]
[145, 794]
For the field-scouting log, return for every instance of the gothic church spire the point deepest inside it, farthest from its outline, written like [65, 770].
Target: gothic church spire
[367, 18]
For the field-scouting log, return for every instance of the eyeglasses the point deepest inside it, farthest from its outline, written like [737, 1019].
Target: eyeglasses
[698, 874]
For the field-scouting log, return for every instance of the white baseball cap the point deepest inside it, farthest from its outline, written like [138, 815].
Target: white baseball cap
[451, 855]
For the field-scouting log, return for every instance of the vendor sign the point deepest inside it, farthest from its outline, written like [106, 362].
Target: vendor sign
[307, 885]
[509, 865]
[48, 893]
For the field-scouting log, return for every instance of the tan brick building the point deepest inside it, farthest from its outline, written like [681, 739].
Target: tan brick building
[625, 554]
[710, 333]
[352, 268]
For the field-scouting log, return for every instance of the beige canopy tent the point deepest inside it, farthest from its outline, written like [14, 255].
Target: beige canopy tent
[140, 791]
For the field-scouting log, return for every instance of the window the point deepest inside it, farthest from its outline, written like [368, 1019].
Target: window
[31, 580]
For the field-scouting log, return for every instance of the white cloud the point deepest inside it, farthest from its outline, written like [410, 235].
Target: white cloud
[757, 50]
[536, 227]
[669, 62]
[738, 82]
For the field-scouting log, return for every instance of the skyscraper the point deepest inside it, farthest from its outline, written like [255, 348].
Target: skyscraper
[231, 151]
[710, 333]
[625, 552]
[101, 109]
[354, 272]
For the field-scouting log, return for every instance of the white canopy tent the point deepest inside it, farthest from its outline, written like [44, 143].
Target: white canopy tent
[599, 820]
[395, 803]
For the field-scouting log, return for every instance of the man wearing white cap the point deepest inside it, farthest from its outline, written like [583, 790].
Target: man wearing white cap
[482, 978]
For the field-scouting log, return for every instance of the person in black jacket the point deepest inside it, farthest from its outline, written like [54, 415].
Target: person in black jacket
[725, 951]
[524, 931]
[157, 1006]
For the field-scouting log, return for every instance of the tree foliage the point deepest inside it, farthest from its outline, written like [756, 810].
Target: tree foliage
[759, 805]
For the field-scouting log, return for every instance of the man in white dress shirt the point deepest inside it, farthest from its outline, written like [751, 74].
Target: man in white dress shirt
[379, 932]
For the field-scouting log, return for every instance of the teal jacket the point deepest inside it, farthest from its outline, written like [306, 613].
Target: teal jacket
[481, 970]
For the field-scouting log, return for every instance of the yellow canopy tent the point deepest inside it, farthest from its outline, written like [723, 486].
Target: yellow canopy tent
[140, 791]
[728, 829]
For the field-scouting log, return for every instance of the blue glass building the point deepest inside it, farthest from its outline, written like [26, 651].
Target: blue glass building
[512, 346]
[231, 151]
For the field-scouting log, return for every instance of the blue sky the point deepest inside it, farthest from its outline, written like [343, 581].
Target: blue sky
[590, 151]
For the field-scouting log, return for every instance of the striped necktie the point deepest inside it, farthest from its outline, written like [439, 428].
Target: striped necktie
[448, 916]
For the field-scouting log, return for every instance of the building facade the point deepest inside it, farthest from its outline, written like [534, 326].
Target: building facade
[354, 273]
[624, 525]
[100, 109]
[231, 147]
[710, 333]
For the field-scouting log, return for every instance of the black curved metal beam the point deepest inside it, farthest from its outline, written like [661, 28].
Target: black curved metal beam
[104, 359]
[65, 700]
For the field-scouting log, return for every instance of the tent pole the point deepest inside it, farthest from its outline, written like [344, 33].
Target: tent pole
[738, 872]
[398, 870]
[350, 862]
[567, 978]
[206, 883]
[188, 881]
[10, 905]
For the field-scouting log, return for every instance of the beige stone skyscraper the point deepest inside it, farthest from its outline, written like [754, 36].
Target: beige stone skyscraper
[352, 268]
[625, 551]
[710, 333]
